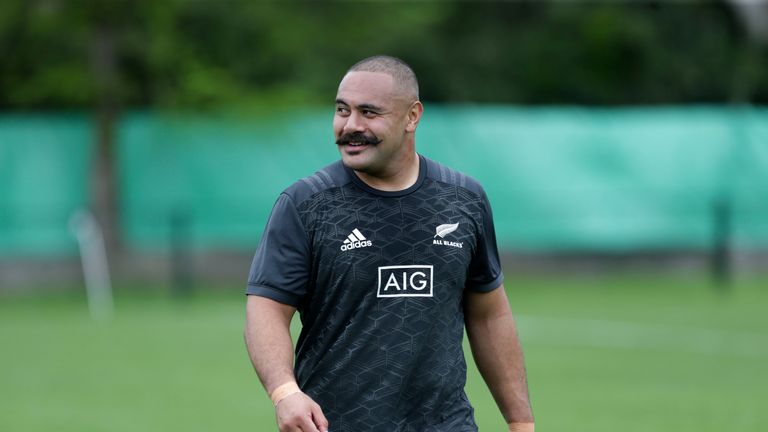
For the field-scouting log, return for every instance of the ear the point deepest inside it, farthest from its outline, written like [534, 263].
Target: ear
[414, 115]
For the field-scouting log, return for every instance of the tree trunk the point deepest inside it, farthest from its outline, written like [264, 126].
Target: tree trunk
[103, 194]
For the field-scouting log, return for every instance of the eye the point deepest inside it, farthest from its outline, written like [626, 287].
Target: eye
[341, 110]
[369, 113]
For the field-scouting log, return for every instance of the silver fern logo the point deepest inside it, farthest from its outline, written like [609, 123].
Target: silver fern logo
[445, 229]
[442, 231]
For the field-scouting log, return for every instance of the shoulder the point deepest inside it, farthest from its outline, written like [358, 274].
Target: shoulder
[329, 177]
[443, 174]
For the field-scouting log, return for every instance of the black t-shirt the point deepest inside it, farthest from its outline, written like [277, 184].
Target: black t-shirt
[378, 279]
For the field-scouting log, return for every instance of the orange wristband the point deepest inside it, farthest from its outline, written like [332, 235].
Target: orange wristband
[520, 427]
[283, 391]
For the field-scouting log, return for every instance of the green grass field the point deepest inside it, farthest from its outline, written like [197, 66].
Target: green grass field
[612, 353]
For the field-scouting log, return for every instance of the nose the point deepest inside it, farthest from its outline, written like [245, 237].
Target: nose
[355, 123]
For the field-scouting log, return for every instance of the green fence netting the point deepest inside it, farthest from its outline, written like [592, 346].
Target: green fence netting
[616, 180]
[44, 168]
[213, 180]
[560, 179]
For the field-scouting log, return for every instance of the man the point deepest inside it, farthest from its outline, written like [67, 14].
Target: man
[386, 255]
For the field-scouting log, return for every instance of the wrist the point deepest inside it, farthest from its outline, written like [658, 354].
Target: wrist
[520, 427]
[283, 391]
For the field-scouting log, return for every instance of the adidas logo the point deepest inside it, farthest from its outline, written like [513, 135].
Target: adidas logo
[355, 240]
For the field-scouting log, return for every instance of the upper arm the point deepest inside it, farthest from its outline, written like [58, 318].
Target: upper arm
[281, 264]
[486, 305]
[258, 308]
[485, 273]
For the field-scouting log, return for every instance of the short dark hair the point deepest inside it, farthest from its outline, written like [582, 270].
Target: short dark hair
[404, 77]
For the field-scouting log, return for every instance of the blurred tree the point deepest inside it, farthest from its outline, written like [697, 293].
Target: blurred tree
[205, 53]
[108, 55]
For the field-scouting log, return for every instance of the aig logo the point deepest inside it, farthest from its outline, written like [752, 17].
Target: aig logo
[405, 281]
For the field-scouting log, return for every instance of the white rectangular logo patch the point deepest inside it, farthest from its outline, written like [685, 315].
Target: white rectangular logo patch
[405, 281]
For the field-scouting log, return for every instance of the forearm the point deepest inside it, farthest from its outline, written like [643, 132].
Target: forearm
[268, 338]
[499, 357]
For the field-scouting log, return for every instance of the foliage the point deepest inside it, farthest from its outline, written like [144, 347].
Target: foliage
[198, 54]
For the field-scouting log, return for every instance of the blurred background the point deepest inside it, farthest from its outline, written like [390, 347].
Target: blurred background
[623, 145]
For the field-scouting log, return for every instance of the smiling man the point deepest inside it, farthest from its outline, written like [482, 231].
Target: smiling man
[387, 256]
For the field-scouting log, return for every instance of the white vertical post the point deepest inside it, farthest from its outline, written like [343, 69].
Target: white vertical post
[93, 256]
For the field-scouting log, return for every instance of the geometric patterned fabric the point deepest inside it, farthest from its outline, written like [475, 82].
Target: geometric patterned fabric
[381, 343]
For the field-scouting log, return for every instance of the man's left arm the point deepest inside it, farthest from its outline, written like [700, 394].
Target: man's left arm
[498, 355]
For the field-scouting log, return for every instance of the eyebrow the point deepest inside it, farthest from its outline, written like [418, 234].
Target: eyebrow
[363, 106]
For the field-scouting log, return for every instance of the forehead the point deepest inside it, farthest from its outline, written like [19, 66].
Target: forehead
[366, 87]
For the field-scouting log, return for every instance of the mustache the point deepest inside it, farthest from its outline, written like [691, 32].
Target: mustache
[358, 137]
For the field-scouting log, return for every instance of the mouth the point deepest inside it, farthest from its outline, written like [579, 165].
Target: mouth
[353, 148]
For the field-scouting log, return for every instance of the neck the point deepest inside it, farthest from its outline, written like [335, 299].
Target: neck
[402, 176]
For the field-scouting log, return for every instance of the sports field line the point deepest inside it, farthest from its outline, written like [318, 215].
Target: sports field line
[641, 336]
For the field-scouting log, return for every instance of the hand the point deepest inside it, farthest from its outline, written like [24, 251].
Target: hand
[299, 413]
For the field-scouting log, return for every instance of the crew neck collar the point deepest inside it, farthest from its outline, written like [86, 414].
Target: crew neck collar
[364, 186]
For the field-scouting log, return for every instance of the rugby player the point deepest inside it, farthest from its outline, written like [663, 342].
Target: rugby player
[387, 256]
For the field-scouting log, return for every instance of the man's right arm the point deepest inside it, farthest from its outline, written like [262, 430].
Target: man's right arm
[268, 338]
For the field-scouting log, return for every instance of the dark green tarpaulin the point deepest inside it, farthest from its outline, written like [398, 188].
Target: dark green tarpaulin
[559, 179]
[44, 168]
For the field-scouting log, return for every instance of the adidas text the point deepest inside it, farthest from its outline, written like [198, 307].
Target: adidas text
[355, 240]
[355, 245]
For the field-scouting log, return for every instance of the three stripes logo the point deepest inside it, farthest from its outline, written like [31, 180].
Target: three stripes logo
[355, 240]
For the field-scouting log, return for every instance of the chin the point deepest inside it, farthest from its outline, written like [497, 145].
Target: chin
[353, 164]
[357, 162]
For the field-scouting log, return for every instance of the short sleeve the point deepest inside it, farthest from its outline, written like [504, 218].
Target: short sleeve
[485, 268]
[281, 265]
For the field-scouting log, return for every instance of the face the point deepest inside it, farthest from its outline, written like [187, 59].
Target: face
[373, 123]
